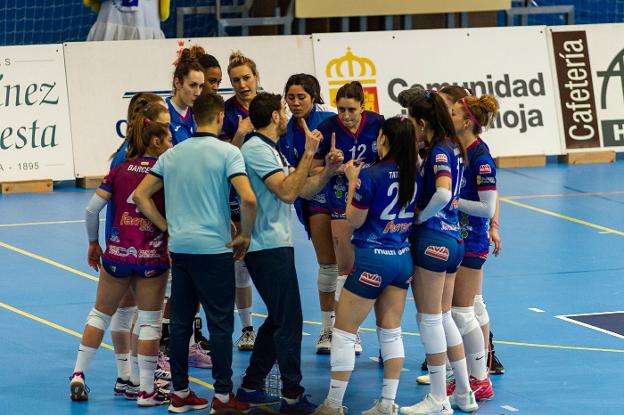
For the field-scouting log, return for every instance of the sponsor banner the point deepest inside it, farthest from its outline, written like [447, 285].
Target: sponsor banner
[518, 73]
[590, 76]
[103, 76]
[35, 137]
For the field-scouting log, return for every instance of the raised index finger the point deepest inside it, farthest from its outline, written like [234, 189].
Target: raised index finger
[304, 125]
[333, 142]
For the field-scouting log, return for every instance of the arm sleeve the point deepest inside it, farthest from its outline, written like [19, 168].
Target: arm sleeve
[92, 216]
[482, 208]
[440, 198]
[235, 164]
[363, 195]
[158, 169]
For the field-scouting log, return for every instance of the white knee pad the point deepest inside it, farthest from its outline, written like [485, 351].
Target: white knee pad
[342, 351]
[465, 319]
[327, 276]
[481, 311]
[122, 319]
[340, 282]
[453, 337]
[243, 279]
[149, 324]
[432, 333]
[98, 319]
[390, 343]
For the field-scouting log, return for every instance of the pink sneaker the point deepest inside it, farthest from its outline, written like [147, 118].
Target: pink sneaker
[198, 357]
[482, 388]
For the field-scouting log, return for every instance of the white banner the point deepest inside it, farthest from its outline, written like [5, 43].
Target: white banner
[510, 63]
[35, 140]
[103, 76]
[589, 62]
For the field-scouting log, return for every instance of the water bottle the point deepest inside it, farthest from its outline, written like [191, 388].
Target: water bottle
[273, 382]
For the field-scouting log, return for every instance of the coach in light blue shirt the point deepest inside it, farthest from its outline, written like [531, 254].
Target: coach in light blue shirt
[196, 175]
[270, 259]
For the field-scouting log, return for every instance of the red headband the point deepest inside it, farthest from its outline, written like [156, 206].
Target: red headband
[470, 114]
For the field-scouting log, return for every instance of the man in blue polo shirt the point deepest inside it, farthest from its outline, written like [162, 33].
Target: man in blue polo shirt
[196, 175]
[270, 259]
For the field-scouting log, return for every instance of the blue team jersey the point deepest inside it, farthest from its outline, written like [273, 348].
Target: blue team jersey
[181, 127]
[479, 176]
[230, 123]
[444, 159]
[292, 144]
[387, 224]
[362, 145]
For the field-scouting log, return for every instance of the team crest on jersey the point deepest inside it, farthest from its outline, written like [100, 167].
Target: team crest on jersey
[374, 280]
[437, 252]
[485, 169]
[441, 158]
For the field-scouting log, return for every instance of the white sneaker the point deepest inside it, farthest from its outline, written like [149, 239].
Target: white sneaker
[78, 390]
[323, 343]
[465, 402]
[429, 406]
[358, 344]
[247, 340]
[324, 409]
[379, 410]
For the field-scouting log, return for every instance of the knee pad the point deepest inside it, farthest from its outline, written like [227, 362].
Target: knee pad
[465, 319]
[390, 343]
[453, 337]
[481, 311]
[432, 333]
[149, 324]
[342, 351]
[122, 319]
[243, 279]
[340, 282]
[327, 277]
[98, 319]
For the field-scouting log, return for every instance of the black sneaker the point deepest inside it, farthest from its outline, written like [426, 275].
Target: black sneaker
[496, 367]
[203, 342]
[423, 366]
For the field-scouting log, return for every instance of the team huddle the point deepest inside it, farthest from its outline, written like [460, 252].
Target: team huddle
[198, 203]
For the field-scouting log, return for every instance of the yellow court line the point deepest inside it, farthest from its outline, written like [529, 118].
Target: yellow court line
[560, 216]
[542, 196]
[76, 334]
[58, 222]
[407, 333]
[48, 261]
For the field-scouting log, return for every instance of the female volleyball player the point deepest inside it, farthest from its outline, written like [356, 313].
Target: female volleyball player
[136, 255]
[380, 207]
[303, 96]
[356, 133]
[437, 251]
[212, 72]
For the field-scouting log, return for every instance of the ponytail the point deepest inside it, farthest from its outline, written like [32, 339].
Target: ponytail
[481, 111]
[187, 61]
[351, 90]
[143, 127]
[403, 149]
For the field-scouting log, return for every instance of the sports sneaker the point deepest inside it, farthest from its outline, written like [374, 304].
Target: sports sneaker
[190, 403]
[423, 366]
[465, 402]
[358, 344]
[232, 403]
[482, 388]
[198, 358]
[496, 367]
[132, 391]
[256, 398]
[302, 407]
[323, 343]
[379, 410]
[120, 386]
[324, 409]
[78, 390]
[157, 397]
[163, 370]
[429, 406]
[247, 340]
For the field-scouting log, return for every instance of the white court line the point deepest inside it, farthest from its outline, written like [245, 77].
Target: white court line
[589, 326]
[509, 408]
[537, 310]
